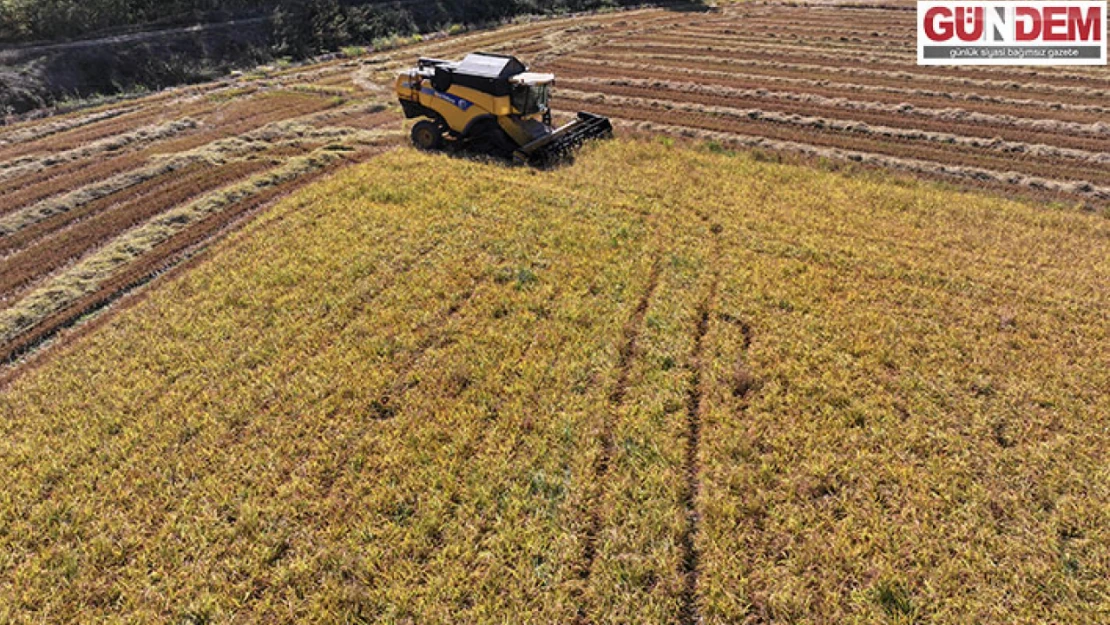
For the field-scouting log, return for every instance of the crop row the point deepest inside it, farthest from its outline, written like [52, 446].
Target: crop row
[42, 257]
[787, 54]
[214, 122]
[969, 83]
[895, 93]
[1080, 140]
[818, 132]
[113, 144]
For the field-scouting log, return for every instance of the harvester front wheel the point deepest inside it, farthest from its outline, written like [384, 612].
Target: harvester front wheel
[427, 136]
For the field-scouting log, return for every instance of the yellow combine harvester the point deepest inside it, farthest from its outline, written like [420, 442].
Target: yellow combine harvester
[490, 104]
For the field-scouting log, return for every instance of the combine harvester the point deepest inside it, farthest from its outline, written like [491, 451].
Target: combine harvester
[490, 104]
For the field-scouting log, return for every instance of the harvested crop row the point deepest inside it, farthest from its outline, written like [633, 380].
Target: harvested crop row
[249, 115]
[58, 182]
[739, 47]
[340, 79]
[818, 132]
[204, 108]
[274, 135]
[786, 16]
[56, 250]
[980, 102]
[18, 240]
[161, 258]
[73, 138]
[84, 278]
[27, 132]
[1077, 138]
[781, 29]
[864, 117]
[244, 118]
[1081, 96]
[787, 25]
[1092, 94]
[361, 119]
[785, 54]
[612, 24]
[29, 165]
[396, 59]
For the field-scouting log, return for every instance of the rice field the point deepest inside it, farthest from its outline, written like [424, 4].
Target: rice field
[429, 390]
[822, 339]
[827, 82]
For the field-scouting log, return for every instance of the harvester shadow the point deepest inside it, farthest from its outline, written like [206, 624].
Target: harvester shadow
[492, 159]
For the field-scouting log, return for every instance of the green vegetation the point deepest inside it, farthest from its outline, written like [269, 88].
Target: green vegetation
[126, 59]
[54, 19]
[658, 385]
[300, 24]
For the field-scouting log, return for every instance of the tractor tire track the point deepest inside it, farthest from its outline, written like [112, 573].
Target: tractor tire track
[627, 353]
[688, 607]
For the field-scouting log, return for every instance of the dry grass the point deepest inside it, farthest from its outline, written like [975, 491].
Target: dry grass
[33, 131]
[659, 385]
[599, 66]
[95, 149]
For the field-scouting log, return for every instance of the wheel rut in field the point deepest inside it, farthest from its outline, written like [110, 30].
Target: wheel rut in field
[629, 348]
[688, 610]
[388, 402]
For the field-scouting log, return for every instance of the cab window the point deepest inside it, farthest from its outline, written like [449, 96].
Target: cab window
[528, 100]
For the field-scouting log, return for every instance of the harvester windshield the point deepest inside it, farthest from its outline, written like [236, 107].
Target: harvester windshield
[530, 99]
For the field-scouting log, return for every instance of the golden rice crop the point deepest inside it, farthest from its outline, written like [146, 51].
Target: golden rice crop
[659, 385]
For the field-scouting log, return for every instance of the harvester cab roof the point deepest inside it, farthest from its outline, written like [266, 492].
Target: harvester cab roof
[481, 71]
[490, 103]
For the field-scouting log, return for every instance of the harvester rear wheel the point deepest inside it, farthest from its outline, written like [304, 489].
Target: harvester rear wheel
[426, 135]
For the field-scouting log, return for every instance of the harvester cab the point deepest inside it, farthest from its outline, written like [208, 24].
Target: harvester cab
[490, 104]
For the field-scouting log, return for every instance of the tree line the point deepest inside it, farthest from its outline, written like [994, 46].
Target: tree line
[300, 26]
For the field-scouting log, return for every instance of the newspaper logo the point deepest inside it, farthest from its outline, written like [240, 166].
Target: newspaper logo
[1011, 33]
